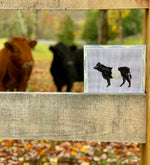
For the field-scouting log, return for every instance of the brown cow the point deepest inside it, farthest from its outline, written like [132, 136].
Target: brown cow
[16, 64]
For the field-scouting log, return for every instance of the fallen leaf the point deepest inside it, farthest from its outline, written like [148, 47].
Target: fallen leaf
[73, 153]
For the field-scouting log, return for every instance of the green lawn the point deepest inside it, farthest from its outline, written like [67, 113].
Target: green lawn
[2, 41]
[42, 53]
[133, 40]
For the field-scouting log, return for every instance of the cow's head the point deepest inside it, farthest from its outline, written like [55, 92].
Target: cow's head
[98, 66]
[20, 51]
[62, 54]
[73, 48]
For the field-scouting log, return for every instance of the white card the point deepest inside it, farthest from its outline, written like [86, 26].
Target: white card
[114, 69]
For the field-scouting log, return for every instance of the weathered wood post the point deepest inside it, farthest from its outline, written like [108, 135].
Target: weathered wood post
[145, 153]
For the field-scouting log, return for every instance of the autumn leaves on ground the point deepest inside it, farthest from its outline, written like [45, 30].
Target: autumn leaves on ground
[46, 152]
[31, 152]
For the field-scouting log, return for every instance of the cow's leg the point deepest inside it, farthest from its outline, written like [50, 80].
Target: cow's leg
[108, 82]
[59, 88]
[2, 88]
[58, 85]
[22, 86]
[24, 79]
[69, 86]
[123, 81]
[129, 81]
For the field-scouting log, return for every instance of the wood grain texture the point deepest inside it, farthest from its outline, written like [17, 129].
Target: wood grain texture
[107, 118]
[145, 155]
[73, 4]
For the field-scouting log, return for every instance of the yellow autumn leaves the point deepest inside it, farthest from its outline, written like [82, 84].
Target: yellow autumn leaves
[113, 16]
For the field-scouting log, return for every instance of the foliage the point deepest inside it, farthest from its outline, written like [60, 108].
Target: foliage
[90, 28]
[66, 31]
[8, 27]
[49, 21]
[13, 24]
[46, 152]
[25, 23]
[133, 22]
[113, 22]
[50, 24]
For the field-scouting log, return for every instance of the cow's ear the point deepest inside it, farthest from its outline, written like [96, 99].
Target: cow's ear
[73, 48]
[52, 48]
[9, 46]
[32, 43]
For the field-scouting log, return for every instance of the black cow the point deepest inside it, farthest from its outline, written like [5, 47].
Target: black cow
[78, 61]
[109, 73]
[67, 65]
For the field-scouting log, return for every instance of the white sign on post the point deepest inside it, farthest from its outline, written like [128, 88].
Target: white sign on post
[114, 69]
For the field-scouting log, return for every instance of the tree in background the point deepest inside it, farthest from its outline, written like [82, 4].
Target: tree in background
[28, 23]
[8, 23]
[127, 22]
[115, 23]
[35, 20]
[48, 24]
[66, 31]
[23, 24]
[120, 27]
[103, 27]
[90, 28]
[45, 24]
[132, 23]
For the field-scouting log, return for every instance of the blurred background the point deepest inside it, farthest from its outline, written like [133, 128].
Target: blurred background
[72, 28]
[49, 27]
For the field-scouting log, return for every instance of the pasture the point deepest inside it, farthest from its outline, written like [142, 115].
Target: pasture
[41, 79]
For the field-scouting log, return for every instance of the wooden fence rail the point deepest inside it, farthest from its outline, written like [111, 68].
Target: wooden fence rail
[115, 118]
[73, 4]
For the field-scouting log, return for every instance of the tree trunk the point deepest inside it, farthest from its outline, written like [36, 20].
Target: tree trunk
[103, 27]
[35, 24]
[120, 27]
[22, 21]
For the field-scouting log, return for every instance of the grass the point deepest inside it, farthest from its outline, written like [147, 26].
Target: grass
[133, 40]
[2, 41]
[41, 53]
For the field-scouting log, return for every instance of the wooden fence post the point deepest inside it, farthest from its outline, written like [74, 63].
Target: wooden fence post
[145, 148]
